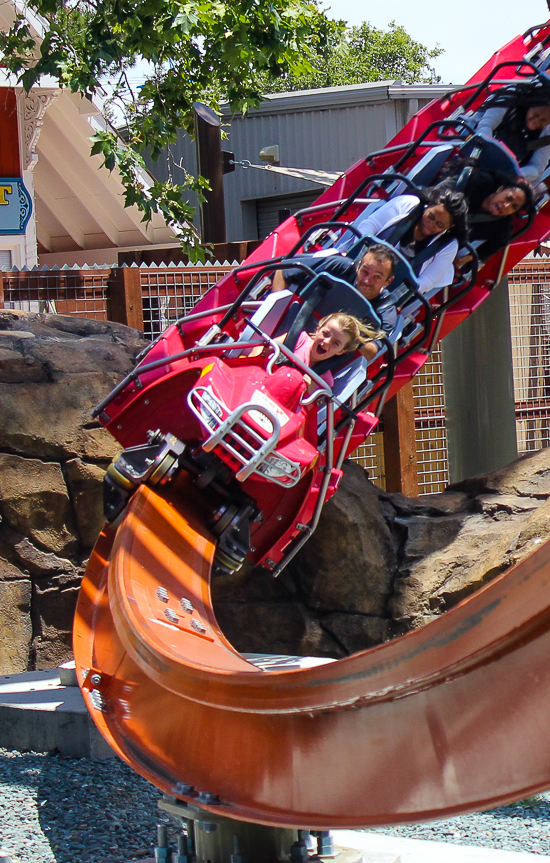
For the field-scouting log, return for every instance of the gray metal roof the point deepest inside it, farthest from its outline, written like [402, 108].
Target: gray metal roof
[327, 129]
[349, 94]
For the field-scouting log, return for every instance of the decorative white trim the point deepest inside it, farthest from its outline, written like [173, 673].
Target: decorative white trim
[33, 108]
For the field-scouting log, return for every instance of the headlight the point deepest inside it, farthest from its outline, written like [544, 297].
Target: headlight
[210, 408]
[278, 467]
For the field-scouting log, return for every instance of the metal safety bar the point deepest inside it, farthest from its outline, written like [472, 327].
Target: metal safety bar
[532, 30]
[437, 124]
[348, 434]
[135, 374]
[396, 148]
[251, 305]
[327, 206]
[277, 264]
[320, 226]
[519, 65]
[462, 291]
[228, 435]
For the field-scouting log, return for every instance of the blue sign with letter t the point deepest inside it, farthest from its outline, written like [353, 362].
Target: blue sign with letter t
[15, 206]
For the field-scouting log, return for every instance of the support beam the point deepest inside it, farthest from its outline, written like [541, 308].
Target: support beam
[71, 124]
[124, 304]
[479, 390]
[57, 208]
[43, 237]
[400, 442]
[82, 182]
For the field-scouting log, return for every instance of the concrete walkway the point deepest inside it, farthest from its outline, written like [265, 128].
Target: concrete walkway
[378, 848]
[40, 713]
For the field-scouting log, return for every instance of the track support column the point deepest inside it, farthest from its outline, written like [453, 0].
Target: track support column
[479, 390]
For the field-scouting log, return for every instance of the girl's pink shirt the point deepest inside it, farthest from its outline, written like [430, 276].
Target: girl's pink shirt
[303, 352]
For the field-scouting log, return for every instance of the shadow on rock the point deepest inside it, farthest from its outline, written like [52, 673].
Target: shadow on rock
[382, 564]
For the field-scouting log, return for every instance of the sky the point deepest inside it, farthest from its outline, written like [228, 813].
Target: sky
[470, 31]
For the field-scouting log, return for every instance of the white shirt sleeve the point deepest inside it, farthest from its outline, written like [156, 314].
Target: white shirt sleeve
[534, 168]
[438, 272]
[490, 120]
[386, 215]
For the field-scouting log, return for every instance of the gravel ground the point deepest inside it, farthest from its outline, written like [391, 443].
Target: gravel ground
[523, 826]
[68, 810]
[71, 810]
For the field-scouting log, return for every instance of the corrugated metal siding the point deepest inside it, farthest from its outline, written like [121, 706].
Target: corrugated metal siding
[267, 210]
[331, 139]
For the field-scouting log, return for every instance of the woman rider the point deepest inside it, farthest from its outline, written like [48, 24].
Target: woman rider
[493, 200]
[428, 232]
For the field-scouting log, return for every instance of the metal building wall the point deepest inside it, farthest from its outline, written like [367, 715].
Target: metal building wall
[329, 129]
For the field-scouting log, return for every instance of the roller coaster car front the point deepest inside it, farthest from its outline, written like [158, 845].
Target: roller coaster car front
[239, 427]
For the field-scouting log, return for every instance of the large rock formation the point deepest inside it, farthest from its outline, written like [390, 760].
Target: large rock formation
[53, 370]
[379, 564]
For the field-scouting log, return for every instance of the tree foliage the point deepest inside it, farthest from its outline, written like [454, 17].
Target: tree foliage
[202, 50]
[356, 55]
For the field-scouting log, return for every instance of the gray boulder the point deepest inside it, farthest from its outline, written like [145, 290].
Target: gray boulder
[53, 370]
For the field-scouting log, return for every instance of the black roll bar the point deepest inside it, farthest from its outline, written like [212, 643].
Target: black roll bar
[319, 226]
[445, 124]
[385, 178]
[280, 263]
[235, 273]
[523, 228]
[462, 291]
[485, 83]
[306, 211]
[532, 30]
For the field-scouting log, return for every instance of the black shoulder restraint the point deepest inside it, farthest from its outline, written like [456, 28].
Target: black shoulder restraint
[429, 251]
[400, 229]
[538, 144]
[324, 284]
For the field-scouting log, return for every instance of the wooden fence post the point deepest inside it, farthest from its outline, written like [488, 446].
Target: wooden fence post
[124, 303]
[400, 442]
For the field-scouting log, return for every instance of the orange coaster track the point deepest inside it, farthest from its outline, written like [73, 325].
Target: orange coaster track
[450, 718]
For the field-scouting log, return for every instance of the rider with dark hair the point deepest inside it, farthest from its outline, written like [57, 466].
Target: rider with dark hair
[493, 200]
[519, 116]
[427, 230]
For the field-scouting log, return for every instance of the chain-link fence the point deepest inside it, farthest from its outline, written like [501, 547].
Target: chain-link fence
[529, 287]
[80, 292]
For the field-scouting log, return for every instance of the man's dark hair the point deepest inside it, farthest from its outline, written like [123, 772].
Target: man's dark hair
[456, 205]
[526, 188]
[381, 253]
